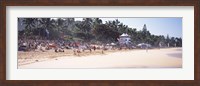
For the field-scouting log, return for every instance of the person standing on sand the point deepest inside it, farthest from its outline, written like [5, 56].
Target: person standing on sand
[160, 45]
[146, 47]
[94, 47]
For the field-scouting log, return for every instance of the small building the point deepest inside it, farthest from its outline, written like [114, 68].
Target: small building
[124, 39]
[144, 45]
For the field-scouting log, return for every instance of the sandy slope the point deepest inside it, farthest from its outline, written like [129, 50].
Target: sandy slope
[155, 58]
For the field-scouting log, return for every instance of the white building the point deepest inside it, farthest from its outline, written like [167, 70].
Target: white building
[124, 39]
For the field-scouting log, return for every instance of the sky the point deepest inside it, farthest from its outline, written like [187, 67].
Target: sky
[157, 26]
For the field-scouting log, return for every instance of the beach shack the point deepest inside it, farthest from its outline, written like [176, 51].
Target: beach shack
[124, 40]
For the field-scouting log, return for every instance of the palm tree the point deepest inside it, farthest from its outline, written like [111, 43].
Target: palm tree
[44, 25]
[97, 21]
[29, 23]
[30, 26]
[84, 29]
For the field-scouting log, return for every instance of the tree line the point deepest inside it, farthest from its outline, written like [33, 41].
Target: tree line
[91, 30]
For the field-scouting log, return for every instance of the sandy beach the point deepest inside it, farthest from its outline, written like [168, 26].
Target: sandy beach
[153, 58]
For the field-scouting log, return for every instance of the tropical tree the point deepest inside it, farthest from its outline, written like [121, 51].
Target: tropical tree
[30, 25]
[92, 30]
[84, 29]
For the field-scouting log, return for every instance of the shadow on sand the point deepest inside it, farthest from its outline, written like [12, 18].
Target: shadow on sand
[176, 55]
[178, 49]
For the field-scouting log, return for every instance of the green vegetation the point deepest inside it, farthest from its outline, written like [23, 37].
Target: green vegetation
[90, 30]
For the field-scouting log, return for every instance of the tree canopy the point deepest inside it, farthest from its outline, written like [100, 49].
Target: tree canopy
[90, 30]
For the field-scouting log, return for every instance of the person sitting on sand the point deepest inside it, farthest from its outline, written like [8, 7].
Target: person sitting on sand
[59, 50]
[40, 47]
[94, 47]
[76, 51]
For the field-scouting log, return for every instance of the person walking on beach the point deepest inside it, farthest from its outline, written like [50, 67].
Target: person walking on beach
[146, 48]
[160, 45]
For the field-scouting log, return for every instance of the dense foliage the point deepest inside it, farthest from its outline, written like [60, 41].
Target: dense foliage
[90, 30]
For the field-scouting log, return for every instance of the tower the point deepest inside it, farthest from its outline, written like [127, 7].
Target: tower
[144, 28]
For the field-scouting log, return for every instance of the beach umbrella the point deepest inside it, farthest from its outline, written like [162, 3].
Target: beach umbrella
[112, 44]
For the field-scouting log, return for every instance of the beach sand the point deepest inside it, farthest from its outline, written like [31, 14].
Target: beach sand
[153, 58]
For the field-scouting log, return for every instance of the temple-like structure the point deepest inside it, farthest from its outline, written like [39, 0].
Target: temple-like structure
[124, 39]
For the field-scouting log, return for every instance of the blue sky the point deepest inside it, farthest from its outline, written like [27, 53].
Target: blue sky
[156, 26]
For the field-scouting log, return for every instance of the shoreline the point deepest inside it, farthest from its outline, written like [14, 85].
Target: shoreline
[116, 59]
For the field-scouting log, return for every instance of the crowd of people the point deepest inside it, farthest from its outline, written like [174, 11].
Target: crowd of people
[27, 45]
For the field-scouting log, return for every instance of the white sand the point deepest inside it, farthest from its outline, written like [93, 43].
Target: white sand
[155, 58]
